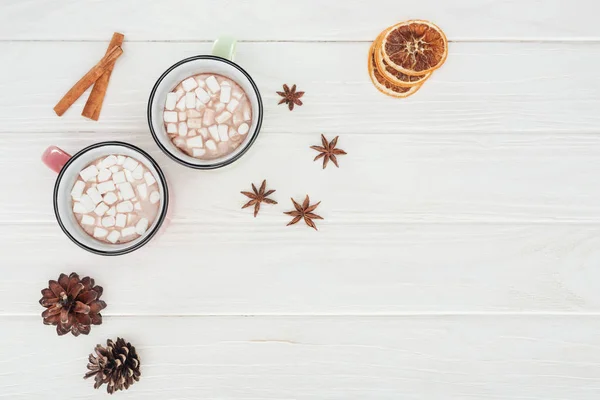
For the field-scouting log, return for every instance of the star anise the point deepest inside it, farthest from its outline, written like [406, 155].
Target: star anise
[328, 151]
[290, 96]
[304, 211]
[258, 197]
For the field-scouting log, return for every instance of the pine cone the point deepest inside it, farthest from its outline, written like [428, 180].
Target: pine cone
[72, 304]
[117, 365]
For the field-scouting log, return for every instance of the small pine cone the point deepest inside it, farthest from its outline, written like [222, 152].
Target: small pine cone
[117, 365]
[73, 305]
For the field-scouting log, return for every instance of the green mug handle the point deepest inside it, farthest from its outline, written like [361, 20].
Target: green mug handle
[224, 47]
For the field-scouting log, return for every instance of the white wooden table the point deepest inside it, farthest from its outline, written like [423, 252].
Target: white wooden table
[460, 253]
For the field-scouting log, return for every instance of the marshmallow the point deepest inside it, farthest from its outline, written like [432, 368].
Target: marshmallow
[87, 203]
[196, 141]
[87, 174]
[88, 220]
[171, 128]
[219, 108]
[129, 176]
[120, 160]
[199, 105]
[194, 123]
[137, 206]
[192, 132]
[110, 198]
[119, 196]
[94, 195]
[194, 114]
[190, 100]
[247, 113]
[233, 133]
[130, 218]
[141, 226]
[183, 129]
[170, 116]
[119, 177]
[149, 178]
[223, 129]
[171, 101]
[203, 132]
[214, 132]
[103, 175]
[180, 93]
[225, 93]
[154, 197]
[224, 116]
[189, 84]
[126, 190]
[79, 208]
[100, 232]
[202, 95]
[237, 94]
[113, 236]
[181, 104]
[107, 186]
[243, 129]
[77, 190]
[212, 84]
[182, 116]
[198, 152]
[233, 104]
[101, 209]
[108, 222]
[121, 220]
[108, 162]
[125, 207]
[209, 117]
[111, 211]
[210, 145]
[179, 142]
[142, 190]
[138, 172]
[128, 231]
[114, 169]
[130, 164]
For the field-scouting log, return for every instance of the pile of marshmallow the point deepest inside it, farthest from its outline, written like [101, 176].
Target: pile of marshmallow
[203, 112]
[110, 203]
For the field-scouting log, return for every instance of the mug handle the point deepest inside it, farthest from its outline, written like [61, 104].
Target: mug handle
[55, 158]
[224, 47]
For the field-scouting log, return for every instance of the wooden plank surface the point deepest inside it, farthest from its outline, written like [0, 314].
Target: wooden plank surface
[457, 358]
[482, 88]
[458, 256]
[311, 20]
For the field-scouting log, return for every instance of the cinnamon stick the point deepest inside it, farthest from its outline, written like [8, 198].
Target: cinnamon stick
[86, 81]
[93, 106]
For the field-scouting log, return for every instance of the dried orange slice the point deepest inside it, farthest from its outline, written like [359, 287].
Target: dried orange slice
[392, 75]
[383, 85]
[414, 47]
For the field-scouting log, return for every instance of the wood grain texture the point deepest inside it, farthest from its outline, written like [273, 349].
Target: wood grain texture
[293, 20]
[458, 258]
[342, 358]
[261, 267]
[482, 88]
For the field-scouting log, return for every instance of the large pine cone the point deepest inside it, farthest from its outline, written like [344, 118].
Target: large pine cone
[73, 305]
[117, 365]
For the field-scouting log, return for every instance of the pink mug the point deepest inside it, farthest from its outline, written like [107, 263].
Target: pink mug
[68, 167]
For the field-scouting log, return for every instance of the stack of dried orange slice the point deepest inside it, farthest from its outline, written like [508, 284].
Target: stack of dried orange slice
[405, 55]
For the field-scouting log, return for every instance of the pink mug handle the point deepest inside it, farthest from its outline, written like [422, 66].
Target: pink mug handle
[55, 158]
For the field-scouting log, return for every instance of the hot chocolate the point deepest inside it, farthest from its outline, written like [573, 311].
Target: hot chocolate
[207, 116]
[116, 199]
